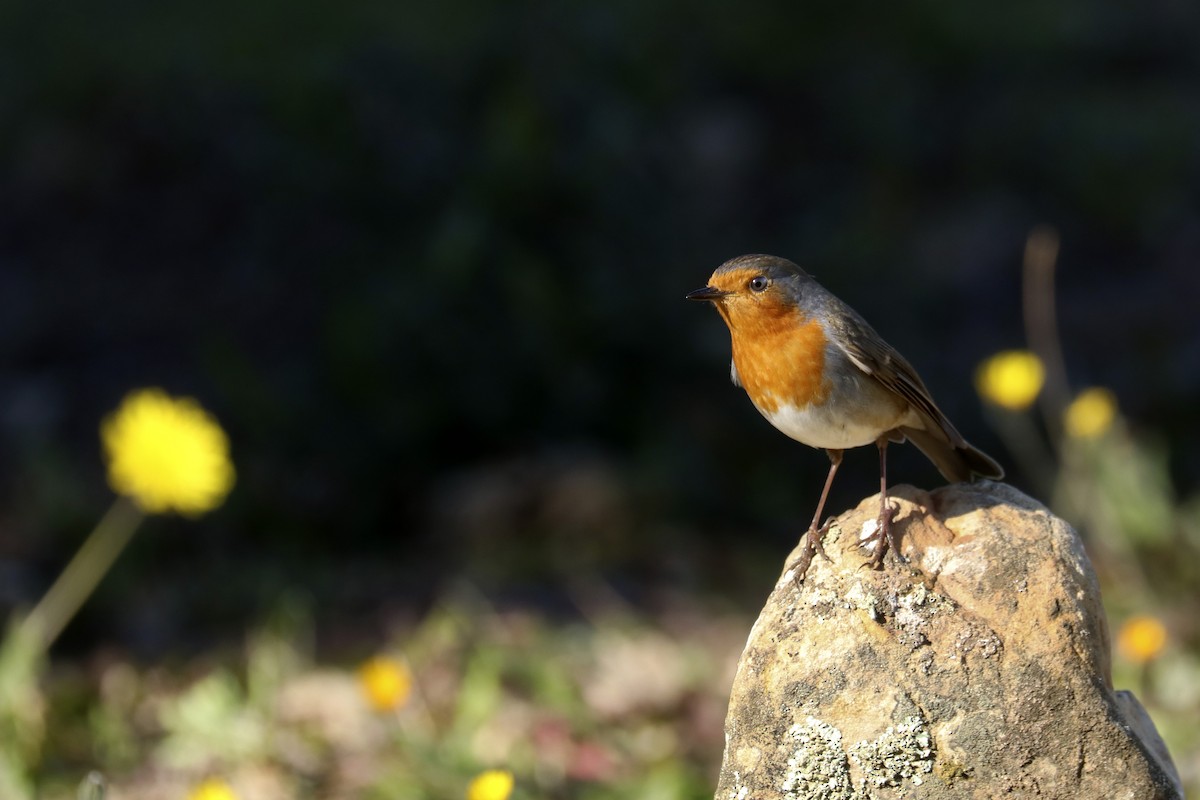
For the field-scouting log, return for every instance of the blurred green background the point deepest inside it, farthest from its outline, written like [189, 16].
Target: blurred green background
[426, 262]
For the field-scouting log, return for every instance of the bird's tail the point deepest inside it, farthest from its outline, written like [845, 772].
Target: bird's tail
[956, 461]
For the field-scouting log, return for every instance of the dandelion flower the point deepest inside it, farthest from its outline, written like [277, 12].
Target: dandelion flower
[1011, 379]
[167, 454]
[212, 789]
[1091, 414]
[386, 682]
[1141, 638]
[494, 784]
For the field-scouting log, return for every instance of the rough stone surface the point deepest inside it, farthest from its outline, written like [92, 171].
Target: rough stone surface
[980, 669]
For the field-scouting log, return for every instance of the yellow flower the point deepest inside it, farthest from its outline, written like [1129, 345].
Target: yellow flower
[494, 784]
[1011, 379]
[1091, 414]
[166, 453]
[386, 682]
[213, 789]
[1141, 638]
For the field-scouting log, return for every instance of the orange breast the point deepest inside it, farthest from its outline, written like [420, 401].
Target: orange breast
[779, 354]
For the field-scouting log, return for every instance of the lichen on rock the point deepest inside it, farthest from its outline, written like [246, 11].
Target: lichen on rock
[817, 766]
[902, 751]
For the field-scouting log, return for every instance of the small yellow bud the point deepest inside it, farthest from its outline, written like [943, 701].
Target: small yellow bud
[1011, 379]
[212, 789]
[1091, 414]
[494, 784]
[1141, 639]
[386, 682]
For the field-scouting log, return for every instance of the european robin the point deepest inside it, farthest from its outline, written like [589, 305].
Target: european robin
[820, 374]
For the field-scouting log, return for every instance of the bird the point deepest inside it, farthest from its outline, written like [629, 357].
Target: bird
[821, 375]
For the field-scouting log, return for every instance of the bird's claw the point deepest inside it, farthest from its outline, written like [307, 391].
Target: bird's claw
[885, 537]
[812, 546]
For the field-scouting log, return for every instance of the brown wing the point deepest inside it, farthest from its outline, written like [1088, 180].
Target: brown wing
[881, 361]
[954, 457]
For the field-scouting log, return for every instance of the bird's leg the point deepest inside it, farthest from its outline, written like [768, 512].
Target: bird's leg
[835, 461]
[884, 532]
[812, 538]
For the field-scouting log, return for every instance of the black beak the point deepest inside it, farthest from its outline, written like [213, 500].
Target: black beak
[707, 293]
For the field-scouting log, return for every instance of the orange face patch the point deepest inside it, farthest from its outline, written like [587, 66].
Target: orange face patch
[733, 281]
[778, 352]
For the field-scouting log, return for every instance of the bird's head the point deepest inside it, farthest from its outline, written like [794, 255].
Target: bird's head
[755, 290]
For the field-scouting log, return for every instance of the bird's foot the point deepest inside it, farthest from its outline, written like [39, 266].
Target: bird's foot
[812, 546]
[817, 538]
[884, 536]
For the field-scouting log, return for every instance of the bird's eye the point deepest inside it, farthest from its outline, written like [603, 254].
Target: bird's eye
[759, 283]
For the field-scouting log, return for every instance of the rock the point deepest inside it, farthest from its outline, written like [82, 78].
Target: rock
[979, 669]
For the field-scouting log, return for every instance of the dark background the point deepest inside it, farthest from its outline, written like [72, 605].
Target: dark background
[426, 264]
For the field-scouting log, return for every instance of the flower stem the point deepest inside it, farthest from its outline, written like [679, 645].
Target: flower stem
[1041, 325]
[85, 570]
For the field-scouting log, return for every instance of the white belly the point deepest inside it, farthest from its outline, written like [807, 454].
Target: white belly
[814, 427]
